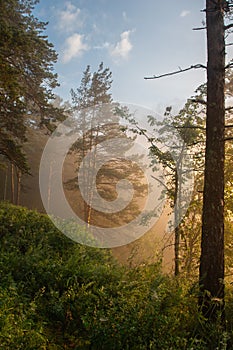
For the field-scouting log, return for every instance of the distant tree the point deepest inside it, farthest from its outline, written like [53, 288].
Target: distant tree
[98, 119]
[180, 138]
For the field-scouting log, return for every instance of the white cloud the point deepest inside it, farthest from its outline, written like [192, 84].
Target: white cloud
[123, 47]
[74, 47]
[184, 13]
[69, 18]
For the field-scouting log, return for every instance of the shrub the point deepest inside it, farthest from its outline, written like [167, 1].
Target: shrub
[57, 294]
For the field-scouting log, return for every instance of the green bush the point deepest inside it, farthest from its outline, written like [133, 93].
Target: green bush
[57, 294]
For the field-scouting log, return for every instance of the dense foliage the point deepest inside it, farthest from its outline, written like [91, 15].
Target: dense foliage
[26, 76]
[56, 294]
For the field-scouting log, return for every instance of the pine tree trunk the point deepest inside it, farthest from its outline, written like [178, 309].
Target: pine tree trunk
[178, 207]
[50, 185]
[19, 177]
[6, 184]
[12, 184]
[177, 228]
[212, 246]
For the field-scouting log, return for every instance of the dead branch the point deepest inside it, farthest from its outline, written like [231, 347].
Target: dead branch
[228, 139]
[230, 65]
[199, 101]
[190, 127]
[167, 246]
[228, 26]
[201, 28]
[161, 182]
[195, 143]
[196, 66]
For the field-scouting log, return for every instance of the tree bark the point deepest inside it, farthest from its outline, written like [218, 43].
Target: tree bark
[211, 277]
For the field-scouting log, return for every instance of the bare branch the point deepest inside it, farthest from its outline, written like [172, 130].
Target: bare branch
[167, 246]
[195, 143]
[201, 28]
[229, 126]
[228, 139]
[228, 26]
[189, 127]
[230, 65]
[161, 183]
[199, 101]
[228, 108]
[196, 66]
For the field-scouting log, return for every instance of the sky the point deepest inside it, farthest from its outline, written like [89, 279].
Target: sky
[134, 38]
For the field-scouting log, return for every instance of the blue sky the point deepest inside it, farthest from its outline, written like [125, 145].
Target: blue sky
[134, 38]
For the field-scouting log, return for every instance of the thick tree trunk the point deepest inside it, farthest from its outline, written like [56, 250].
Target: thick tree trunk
[212, 246]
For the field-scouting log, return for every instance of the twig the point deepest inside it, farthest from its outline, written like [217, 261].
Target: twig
[197, 66]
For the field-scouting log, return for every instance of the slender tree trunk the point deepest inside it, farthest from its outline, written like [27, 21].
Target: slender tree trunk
[50, 184]
[12, 184]
[89, 179]
[211, 276]
[19, 177]
[93, 179]
[178, 207]
[85, 174]
[6, 183]
[177, 228]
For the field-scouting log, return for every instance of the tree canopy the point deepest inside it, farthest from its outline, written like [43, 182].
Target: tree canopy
[26, 75]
